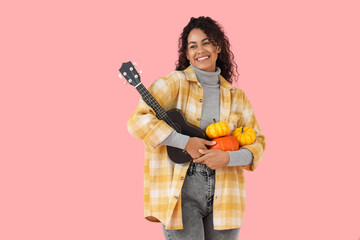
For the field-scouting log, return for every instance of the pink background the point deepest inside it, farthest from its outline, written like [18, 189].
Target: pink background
[70, 170]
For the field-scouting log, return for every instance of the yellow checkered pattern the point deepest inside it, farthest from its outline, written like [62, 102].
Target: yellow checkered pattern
[163, 179]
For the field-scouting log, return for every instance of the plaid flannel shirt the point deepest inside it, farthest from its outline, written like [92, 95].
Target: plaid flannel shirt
[163, 179]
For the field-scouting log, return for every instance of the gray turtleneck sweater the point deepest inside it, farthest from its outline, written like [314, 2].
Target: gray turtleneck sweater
[210, 110]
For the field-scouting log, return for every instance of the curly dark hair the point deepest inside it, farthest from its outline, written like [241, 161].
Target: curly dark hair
[217, 37]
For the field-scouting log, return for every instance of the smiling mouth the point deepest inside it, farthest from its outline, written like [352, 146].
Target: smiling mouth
[203, 58]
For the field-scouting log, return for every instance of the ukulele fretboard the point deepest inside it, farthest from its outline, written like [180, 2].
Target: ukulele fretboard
[150, 100]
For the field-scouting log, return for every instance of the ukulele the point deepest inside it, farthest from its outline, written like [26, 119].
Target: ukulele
[174, 118]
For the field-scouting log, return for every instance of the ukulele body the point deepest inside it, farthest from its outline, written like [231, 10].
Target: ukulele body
[178, 155]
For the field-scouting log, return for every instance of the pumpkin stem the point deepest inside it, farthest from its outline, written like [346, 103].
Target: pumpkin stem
[214, 120]
[242, 129]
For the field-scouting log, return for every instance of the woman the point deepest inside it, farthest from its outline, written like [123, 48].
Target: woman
[205, 198]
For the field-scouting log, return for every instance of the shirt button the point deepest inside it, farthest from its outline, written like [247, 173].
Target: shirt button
[176, 197]
[182, 178]
[198, 119]
[200, 100]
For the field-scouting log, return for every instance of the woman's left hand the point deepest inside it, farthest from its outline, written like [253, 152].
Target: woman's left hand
[213, 158]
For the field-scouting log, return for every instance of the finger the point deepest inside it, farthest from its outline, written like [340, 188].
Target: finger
[199, 160]
[210, 143]
[203, 151]
[212, 167]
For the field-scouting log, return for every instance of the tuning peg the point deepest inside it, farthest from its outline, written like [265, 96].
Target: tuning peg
[140, 72]
[135, 64]
[125, 82]
[120, 76]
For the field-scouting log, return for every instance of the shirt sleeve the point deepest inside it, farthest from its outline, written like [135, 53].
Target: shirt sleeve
[242, 157]
[177, 140]
[257, 148]
[143, 123]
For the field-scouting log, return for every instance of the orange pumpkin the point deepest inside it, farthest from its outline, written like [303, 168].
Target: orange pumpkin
[228, 143]
[217, 129]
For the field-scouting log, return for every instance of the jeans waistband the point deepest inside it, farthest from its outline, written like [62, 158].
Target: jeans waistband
[199, 167]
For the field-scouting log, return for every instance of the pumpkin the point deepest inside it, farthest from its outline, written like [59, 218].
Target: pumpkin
[217, 129]
[228, 143]
[244, 135]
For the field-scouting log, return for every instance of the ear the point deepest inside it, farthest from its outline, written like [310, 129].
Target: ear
[218, 49]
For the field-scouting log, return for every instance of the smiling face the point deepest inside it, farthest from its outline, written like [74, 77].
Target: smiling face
[201, 53]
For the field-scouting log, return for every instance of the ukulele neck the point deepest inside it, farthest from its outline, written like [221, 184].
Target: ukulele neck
[150, 100]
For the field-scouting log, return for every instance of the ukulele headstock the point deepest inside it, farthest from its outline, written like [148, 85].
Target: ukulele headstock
[128, 71]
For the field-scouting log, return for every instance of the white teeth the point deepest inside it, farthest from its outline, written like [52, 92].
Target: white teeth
[203, 58]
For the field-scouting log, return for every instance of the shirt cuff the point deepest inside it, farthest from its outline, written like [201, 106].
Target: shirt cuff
[241, 157]
[177, 140]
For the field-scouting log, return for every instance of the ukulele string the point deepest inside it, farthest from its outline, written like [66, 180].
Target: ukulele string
[162, 113]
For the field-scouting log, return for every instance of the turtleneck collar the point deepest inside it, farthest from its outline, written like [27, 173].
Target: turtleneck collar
[207, 78]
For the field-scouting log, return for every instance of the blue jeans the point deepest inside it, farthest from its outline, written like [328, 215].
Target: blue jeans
[197, 196]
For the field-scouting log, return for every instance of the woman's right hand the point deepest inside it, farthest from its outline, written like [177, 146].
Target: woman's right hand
[194, 144]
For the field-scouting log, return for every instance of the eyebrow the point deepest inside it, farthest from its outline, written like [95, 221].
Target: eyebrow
[201, 41]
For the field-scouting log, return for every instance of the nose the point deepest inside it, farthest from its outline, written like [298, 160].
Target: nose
[200, 49]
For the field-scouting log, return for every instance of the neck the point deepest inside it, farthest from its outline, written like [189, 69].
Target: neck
[207, 78]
